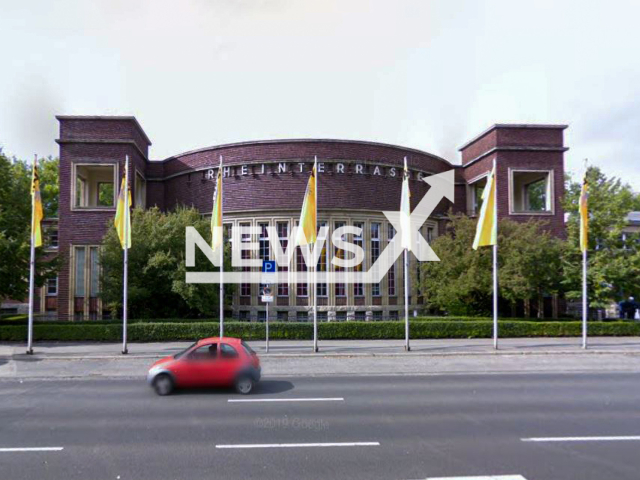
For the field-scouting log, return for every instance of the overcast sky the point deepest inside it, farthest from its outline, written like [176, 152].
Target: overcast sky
[423, 74]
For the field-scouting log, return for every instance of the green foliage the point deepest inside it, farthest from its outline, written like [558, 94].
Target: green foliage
[530, 265]
[158, 332]
[157, 268]
[614, 263]
[15, 224]
[105, 194]
[461, 283]
[22, 320]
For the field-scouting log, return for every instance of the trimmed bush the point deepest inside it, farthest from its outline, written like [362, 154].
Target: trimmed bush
[162, 332]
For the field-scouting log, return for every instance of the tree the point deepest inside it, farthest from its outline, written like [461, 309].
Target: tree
[614, 261]
[529, 261]
[460, 283]
[157, 287]
[15, 224]
[530, 265]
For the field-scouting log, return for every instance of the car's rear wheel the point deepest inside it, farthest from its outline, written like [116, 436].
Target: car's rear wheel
[163, 384]
[244, 385]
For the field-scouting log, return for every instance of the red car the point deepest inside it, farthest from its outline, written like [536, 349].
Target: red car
[210, 362]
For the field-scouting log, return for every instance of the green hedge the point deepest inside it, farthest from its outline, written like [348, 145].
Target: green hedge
[159, 332]
[22, 320]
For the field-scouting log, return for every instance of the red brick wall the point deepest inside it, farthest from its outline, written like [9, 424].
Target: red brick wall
[174, 181]
[520, 147]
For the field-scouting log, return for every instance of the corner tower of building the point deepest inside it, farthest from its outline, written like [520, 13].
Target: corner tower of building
[530, 171]
[92, 156]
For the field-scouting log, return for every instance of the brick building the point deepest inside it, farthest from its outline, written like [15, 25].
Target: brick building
[264, 183]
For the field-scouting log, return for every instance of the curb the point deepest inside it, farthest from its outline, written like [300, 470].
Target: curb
[40, 357]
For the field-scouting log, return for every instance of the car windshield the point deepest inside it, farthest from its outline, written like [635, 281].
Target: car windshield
[180, 354]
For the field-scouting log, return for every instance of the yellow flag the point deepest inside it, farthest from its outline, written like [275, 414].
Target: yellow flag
[36, 202]
[123, 216]
[405, 209]
[216, 214]
[307, 228]
[487, 229]
[584, 215]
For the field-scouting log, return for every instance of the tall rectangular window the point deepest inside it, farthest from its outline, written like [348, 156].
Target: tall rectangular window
[375, 253]
[476, 190]
[391, 274]
[141, 191]
[94, 272]
[340, 289]
[79, 272]
[302, 288]
[358, 240]
[52, 287]
[245, 288]
[264, 251]
[283, 237]
[323, 261]
[52, 237]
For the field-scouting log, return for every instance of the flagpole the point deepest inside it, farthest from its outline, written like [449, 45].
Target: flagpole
[221, 259]
[32, 269]
[584, 298]
[495, 259]
[407, 347]
[125, 292]
[315, 266]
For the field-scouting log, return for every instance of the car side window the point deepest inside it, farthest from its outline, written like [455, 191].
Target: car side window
[228, 351]
[205, 352]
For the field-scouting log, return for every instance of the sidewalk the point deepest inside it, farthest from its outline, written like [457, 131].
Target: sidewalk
[338, 358]
[340, 348]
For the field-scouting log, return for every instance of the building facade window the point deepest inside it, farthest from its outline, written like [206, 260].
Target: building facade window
[302, 288]
[475, 195]
[358, 287]
[51, 235]
[391, 274]
[339, 287]
[264, 250]
[94, 186]
[323, 261]
[245, 288]
[283, 237]
[86, 280]
[140, 191]
[52, 287]
[530, 192]
[375, 253]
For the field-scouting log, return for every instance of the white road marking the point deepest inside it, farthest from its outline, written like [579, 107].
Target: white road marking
[627, 438]
[32, 449]
[247, 400]
[296, 445]
[490, 477]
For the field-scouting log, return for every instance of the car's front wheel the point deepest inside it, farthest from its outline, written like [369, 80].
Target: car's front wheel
[244, 384]
[163, 384]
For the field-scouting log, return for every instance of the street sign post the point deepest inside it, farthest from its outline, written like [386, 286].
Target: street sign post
[267, 298]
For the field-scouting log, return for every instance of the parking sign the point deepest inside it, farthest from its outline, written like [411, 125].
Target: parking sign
[268, 266]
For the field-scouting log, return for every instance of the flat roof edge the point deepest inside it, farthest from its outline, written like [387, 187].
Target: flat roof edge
[559, 126]
[307, 140]
[106, 117]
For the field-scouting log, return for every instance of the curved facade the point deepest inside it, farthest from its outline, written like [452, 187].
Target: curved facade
[264, 184]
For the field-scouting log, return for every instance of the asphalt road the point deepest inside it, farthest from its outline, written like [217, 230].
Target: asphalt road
[408, 427]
